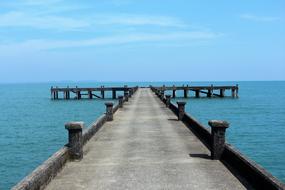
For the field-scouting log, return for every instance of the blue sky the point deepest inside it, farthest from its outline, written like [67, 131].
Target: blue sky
[141, 40]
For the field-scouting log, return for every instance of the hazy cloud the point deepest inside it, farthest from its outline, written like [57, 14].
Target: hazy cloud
[136, 20]
[109, 40]
[22, 19]
[256, 18]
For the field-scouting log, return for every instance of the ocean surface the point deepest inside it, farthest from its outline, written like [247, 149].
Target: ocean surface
[32, 125]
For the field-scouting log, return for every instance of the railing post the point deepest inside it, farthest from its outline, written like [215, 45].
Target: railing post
[218, 138]
[159, 94]
[120, 101]
[181, 110]
[162, 95]
[102, 92]
[126, 95]
[174, 92]
[168, 97]
[75, 140]
[109, 111]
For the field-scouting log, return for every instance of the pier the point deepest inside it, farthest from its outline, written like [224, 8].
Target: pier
[87, 93]
[146, 141]
[145, 147]
[209, 91]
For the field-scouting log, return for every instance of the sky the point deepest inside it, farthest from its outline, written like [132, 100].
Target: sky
[141, 40]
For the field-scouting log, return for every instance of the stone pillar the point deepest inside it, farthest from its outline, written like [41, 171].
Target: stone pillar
[75, 140]
[121, 101]
[162, 95]
[159, 94]
[168, 98]
[109, 111]
[237, 91]
[130, 93]
[181, 110]
[126, 95]
[222, 92]
[218, 138]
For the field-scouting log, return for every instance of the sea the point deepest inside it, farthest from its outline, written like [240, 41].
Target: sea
[32, 125]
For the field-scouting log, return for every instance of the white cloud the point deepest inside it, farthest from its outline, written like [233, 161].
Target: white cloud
[22, 19]
[253, 17]
[121, 2]
[39, 2]
[35, 45]
[136, 20]
[40, 20]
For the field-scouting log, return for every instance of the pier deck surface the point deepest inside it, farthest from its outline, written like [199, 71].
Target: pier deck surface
[145, 147]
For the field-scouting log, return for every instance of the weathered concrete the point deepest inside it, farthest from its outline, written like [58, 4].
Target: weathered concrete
[75, 140]
[145, 147]
[218, 138]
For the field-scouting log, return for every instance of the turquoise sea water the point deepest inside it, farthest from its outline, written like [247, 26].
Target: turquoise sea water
[32, 125]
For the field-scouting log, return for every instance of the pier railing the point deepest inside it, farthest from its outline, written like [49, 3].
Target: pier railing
[43, 174]
[210, 91]
[246, 170]
[78, 93]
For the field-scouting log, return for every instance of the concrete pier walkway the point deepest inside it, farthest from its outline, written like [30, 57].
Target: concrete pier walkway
[145, 147]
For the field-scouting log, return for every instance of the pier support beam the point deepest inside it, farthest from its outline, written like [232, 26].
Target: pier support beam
[75, 140]
[90, 95]
[121, 101]
[54, 95]
[78, 95]
[109, 111]
[197, 93]
[114, 94]
[65, 94]
[222, 93]
[186, 93]
[235, 91]
[218, 129]
[210, 92]
[181, 110]
[168, 98]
